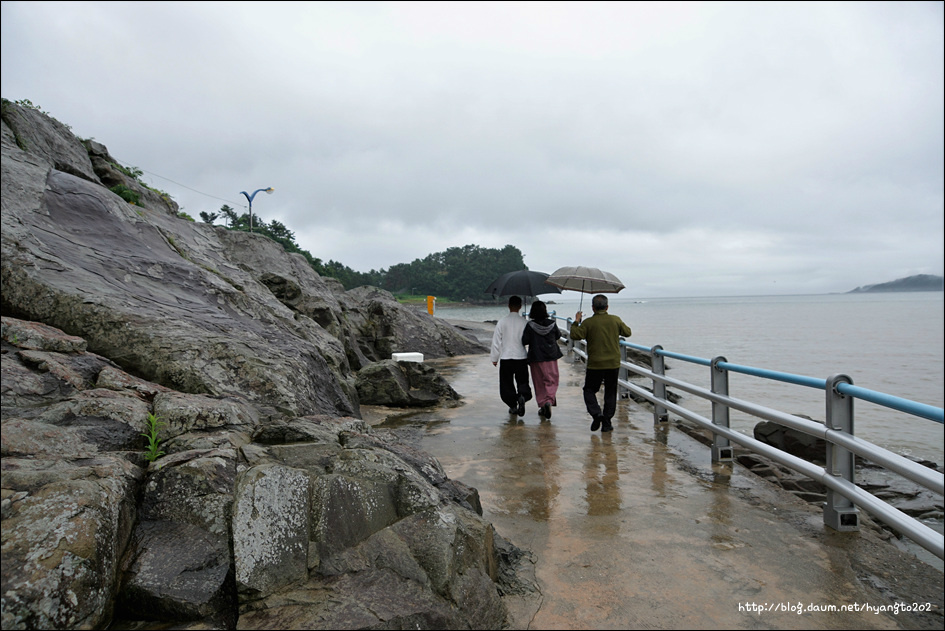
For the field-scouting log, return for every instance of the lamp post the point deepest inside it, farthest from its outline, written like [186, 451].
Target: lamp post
[250, 199]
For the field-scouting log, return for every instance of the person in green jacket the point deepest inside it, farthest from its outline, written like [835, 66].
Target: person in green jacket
[602, 332]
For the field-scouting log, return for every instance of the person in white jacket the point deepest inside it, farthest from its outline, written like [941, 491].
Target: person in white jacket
[508, 353]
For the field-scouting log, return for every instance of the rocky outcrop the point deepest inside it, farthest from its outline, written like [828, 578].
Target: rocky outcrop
[383, 327]
[272, 504]
[193, 307]
[910, 498]
[907, 496]
[48, 140]
[247, 521]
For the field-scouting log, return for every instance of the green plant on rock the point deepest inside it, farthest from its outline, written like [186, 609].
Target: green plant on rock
[154, 443]
[133, 172]
[26, 103]
[126, 193]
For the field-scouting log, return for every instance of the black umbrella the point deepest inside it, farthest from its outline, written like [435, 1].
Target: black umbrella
[523, 282]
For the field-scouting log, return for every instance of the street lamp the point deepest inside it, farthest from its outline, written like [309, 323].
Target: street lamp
[250, 199]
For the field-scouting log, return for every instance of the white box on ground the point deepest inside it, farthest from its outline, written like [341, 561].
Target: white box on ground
[407, 357]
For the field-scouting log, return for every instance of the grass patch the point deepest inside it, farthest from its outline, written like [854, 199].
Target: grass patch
[153, 452]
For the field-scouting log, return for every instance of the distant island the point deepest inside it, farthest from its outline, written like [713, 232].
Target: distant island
[920, 282]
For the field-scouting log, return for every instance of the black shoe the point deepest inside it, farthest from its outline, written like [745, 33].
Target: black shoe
[596, 424]
[546, 410]
[513, 410]
[607, 427]
[521, 406]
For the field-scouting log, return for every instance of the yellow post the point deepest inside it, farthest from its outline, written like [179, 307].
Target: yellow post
[431, 304]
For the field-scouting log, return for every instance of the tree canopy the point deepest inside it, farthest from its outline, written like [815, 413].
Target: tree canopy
[459, 273]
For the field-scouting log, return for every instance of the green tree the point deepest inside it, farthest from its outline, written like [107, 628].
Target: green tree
[231, 217]
[459, 273]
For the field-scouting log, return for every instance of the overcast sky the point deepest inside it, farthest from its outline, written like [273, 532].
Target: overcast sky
[689, 148]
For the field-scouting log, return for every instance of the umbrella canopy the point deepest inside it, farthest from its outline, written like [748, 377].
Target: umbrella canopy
[588, 280]
[523, 282]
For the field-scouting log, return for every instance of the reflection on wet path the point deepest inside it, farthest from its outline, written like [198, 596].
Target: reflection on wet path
[529, 466]
[601, 476]
[635, 528]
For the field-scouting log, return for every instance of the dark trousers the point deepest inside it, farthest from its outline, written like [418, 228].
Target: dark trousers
[513, 381]
[592, 381]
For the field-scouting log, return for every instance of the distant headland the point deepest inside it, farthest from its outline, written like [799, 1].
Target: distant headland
[920, 282]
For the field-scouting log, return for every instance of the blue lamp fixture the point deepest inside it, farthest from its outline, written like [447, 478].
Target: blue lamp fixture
[250, 199]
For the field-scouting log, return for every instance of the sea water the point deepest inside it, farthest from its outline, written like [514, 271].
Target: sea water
[886, 342]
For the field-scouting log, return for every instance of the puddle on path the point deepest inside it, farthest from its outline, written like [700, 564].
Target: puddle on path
[634, 528]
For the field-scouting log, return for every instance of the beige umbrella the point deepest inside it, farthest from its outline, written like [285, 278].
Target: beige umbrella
[587, 280]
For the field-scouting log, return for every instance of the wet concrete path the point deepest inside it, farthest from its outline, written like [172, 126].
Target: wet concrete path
[635, 529]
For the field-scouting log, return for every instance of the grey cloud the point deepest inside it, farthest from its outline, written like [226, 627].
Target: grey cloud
[800, 140]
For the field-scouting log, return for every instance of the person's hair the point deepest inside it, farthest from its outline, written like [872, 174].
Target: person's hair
[515, 302]
[538, 311]
[599, 303]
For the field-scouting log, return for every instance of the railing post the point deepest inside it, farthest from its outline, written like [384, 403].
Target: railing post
[570, 344]
[839, 512]
[659, 388]
[721, 446]
[623, 373]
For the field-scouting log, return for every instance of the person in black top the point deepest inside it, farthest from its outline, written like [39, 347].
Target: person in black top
[541, 339]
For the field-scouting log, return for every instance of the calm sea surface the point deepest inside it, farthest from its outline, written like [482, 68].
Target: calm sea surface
[890, 343]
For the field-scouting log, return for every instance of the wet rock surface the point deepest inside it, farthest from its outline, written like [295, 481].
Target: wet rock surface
[190, 306]
[910, 498]
[247, 521]
[403, 384]
[907, 496]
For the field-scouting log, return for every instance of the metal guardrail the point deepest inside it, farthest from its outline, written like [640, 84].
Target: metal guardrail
[843, 496]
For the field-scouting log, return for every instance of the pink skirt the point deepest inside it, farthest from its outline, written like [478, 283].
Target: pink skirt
[545, 380]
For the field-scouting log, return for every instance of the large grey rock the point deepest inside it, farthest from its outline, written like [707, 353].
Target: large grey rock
[164, 318]
[370, 599]
[195, 308]
[182, 413]
[428, 571]
[797, 443]
[387, 549]
[179, 572]
[424, 463]
[192, 487]
[64, 526]
[403, 384]
[270, 529]
[47, 138]
[179, 564]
